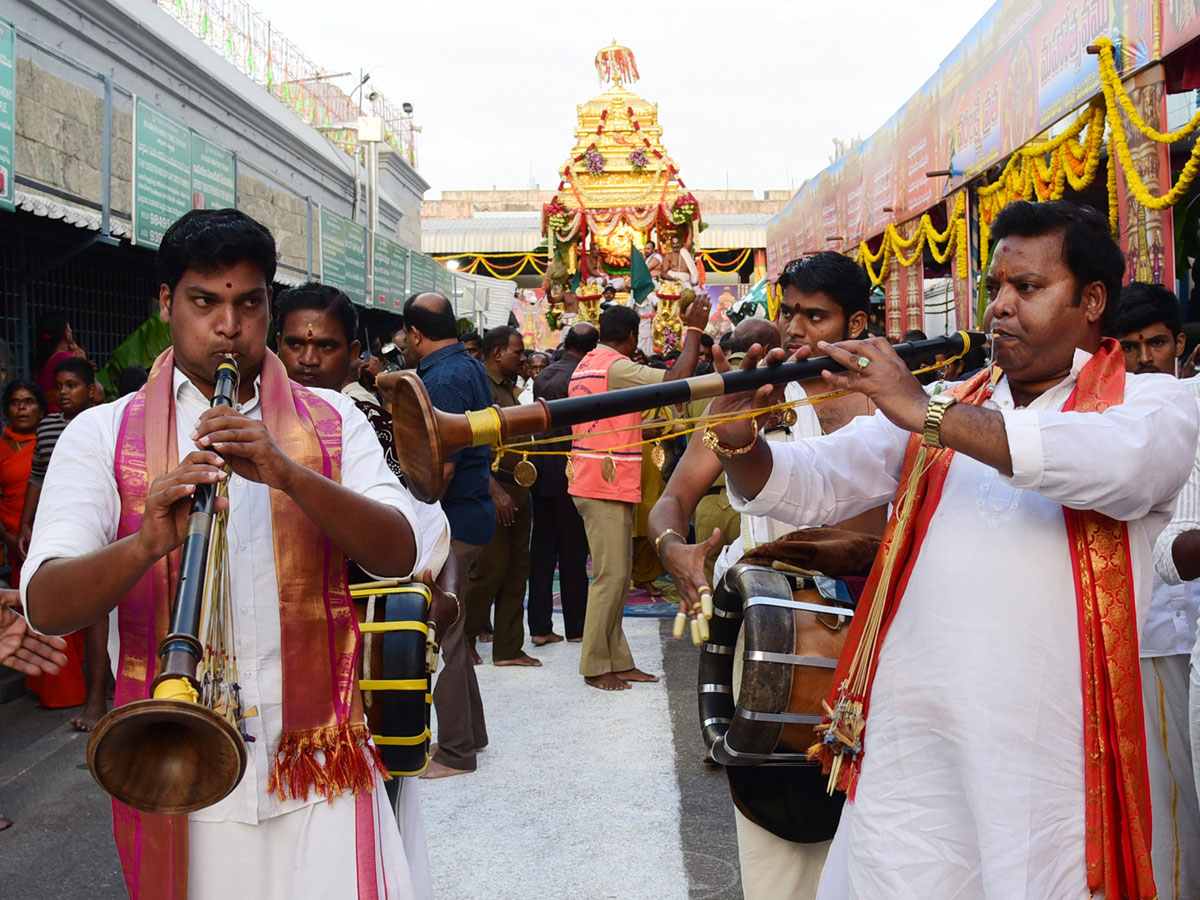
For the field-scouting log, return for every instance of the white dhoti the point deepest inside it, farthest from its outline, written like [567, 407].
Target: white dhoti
[412, 833]
[1176, 814]
[349, 848]
[773, 867]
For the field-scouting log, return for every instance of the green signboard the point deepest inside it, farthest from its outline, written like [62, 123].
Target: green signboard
[162, 172]
[174, 170]
[214, 175]
[344, 255]
[443, 281]
[391, 274]
[421, 273]
[8, 58]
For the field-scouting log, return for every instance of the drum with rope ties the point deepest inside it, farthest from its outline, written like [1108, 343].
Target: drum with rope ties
[398, 656]
[778, 627]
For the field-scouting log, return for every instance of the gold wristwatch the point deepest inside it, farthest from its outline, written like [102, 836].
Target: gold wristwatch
[938, 404]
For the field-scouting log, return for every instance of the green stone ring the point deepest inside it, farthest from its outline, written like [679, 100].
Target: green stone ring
[863, 362]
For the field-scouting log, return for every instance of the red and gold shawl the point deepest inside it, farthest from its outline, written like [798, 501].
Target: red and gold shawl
[322, 705]
[1116, 779]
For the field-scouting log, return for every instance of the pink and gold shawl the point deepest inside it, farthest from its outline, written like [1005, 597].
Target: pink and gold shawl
[322, 705]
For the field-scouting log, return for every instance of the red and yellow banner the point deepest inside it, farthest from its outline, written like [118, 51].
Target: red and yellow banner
[1023, 67]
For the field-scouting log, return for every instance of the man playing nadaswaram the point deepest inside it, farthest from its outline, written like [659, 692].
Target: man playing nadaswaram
[1000, 751]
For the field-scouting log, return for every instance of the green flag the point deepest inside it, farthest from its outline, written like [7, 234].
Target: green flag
[575, 281]
[640, 282]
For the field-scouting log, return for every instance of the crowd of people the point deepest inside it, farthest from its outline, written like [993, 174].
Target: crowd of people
[1033, 693]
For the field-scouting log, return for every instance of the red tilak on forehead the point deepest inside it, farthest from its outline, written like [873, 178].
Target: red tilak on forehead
[1003, 269]
[229, 285]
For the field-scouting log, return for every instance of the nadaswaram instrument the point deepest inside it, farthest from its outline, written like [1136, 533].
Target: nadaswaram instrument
[399, 655]
[425, 437]
[181, 750]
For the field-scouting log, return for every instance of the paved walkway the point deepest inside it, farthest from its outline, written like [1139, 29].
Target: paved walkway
[582, 795]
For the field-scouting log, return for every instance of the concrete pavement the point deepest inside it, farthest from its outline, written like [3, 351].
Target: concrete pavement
[61, 845]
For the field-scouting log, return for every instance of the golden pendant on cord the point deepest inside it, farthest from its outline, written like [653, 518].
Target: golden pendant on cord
[658, 456]
[790, 417]
[525, 473]
[608, 469]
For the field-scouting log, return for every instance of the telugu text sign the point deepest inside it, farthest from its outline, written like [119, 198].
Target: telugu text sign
[8, 58]
[162, 172]
[344, 255]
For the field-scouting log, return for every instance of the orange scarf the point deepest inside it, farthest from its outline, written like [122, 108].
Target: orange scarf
[322, 705]
[1116, 777]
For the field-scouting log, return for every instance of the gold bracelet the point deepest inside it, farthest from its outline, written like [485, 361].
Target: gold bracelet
[713, 443]
[658, 540]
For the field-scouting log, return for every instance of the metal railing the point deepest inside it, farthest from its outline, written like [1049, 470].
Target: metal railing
[251, 43]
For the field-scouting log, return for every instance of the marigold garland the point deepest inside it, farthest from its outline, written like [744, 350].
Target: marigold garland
[1115, 99]
[894, 244]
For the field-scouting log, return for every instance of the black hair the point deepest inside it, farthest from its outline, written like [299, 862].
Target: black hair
[76, 366]
[130, 380]
[51, 329]
[1088, 247]
[839, 277]
[498, 338]
[1142, 305]
[607, 288]
[472, 336]
[210, 239]
[725, 340]
[915, 334]
[617, 323]
[432, 318]
[319, 297]
[39, 396]
[581, 340]
[706, 339]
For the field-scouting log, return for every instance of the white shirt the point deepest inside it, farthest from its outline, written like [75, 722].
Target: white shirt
[78, 514]
[1171, 625]
[973, 774]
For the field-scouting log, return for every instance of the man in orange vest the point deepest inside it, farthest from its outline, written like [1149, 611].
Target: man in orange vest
[607, 485]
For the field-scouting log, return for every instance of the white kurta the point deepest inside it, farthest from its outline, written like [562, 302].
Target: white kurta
[78, 513]
[972, 782]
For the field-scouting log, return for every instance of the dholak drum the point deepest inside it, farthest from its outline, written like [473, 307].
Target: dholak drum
[769, 662]
[395, 677]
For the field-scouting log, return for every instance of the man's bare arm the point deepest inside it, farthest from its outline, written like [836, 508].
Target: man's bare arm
[695, 317]
[1185, 551]
[698, 468]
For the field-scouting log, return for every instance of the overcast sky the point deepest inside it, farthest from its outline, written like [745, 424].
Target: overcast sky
[750, 94]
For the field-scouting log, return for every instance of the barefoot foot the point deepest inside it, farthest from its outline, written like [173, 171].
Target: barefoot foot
[540, 640]
[437, 770]
[636, 675]
[92, 713]
[606, 682]
[523, 660]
